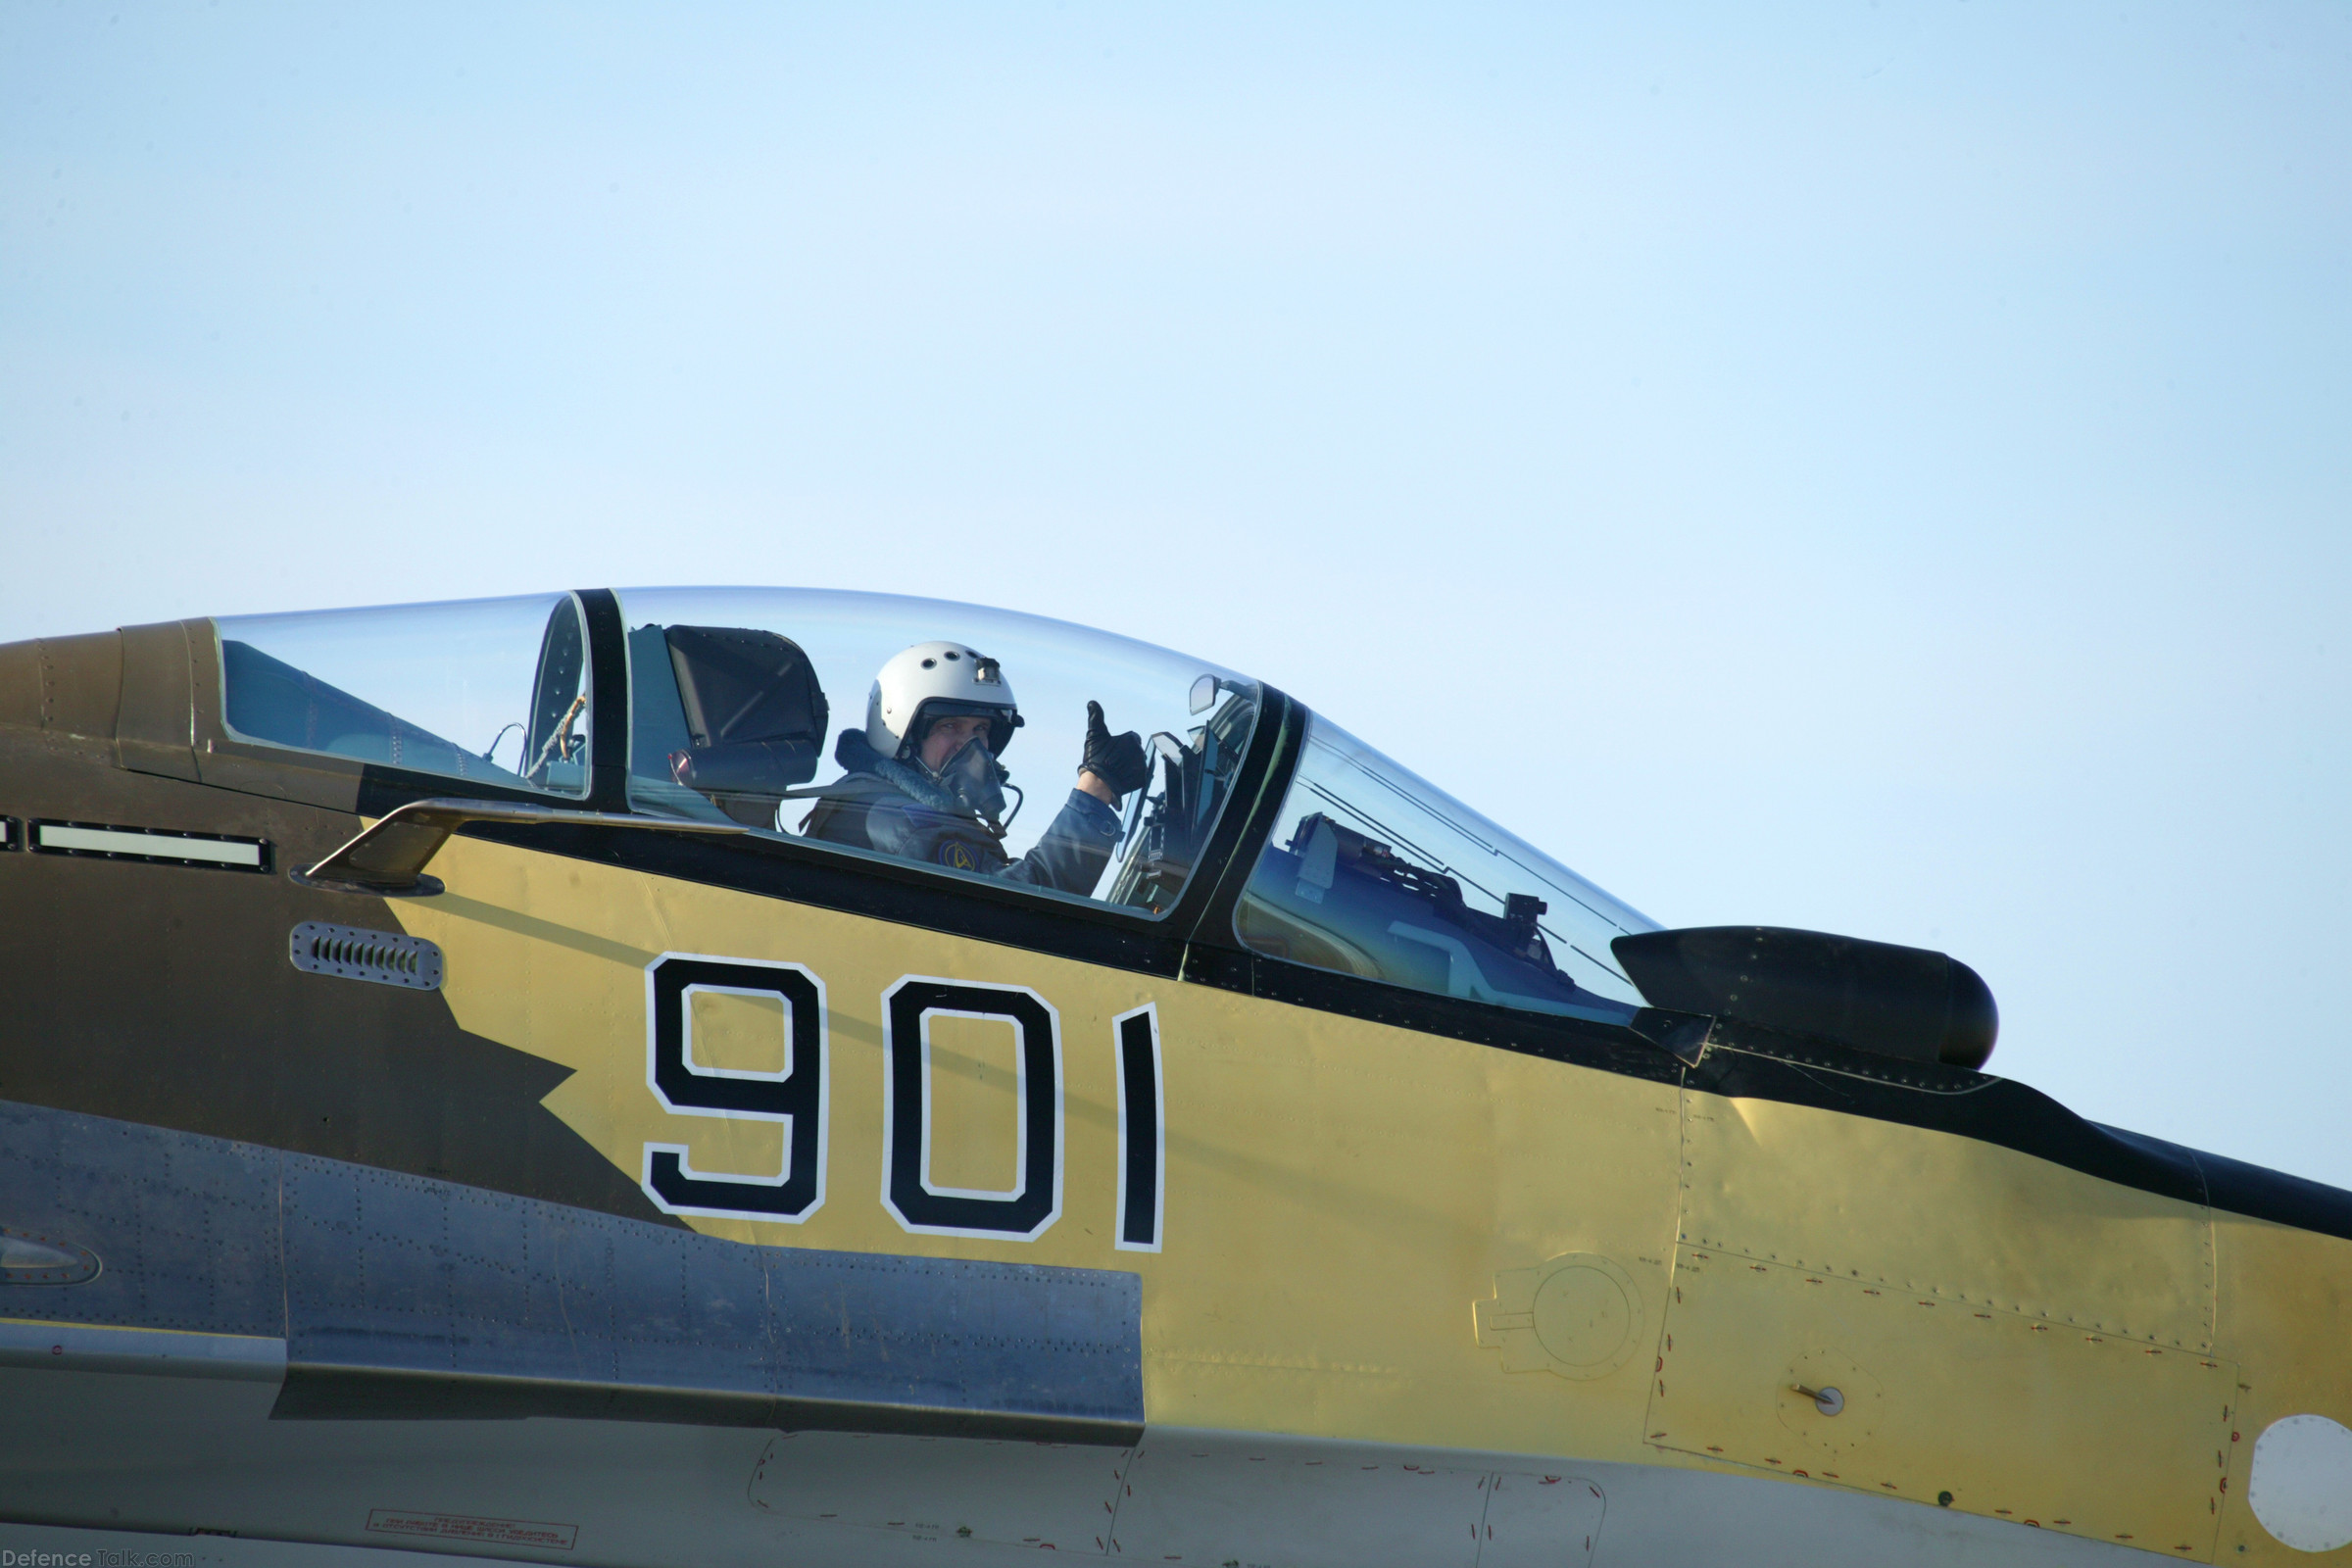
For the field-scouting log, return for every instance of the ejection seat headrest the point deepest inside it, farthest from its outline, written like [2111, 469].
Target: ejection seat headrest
[756, 717]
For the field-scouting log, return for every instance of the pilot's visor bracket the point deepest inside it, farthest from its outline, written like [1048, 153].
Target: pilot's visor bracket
[387, 859]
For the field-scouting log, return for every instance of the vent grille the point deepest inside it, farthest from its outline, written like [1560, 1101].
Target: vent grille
[384, 956]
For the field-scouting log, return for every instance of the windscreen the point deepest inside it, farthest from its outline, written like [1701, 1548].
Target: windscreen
[1375, 872]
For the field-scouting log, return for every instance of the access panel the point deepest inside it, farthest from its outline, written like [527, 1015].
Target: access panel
[1874, 1387]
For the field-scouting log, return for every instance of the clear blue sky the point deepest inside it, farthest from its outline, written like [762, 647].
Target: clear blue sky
[1875, 467]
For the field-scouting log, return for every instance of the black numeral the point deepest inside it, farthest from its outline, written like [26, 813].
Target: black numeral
[1143, 1130]
[795, 1097]
[1036, 1202]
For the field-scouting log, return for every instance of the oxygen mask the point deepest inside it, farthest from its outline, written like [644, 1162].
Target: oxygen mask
[976, 781]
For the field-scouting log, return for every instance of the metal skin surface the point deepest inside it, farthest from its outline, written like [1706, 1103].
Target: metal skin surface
[401, 1297]
[389, 1268]
[677, 1496]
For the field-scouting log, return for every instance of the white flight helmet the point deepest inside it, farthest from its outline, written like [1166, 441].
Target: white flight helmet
[938, 680]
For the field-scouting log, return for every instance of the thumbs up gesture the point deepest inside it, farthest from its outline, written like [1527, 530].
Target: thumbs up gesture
[1118, 762]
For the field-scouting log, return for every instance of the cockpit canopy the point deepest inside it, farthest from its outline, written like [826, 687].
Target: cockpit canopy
[751, 706]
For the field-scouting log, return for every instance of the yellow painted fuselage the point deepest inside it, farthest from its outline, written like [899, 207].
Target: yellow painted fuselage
[1362, 1221]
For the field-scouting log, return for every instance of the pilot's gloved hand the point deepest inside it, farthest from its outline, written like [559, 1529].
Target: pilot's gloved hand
[1118, 761]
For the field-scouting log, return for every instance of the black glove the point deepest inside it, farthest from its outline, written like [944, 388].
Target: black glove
[1118, 761]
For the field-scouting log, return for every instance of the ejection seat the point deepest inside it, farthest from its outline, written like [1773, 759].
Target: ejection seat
[729, 717]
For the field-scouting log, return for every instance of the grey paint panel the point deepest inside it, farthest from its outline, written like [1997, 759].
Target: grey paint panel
[168, 1456]
[141, 1352]
[404, 1296]
[186, 1228]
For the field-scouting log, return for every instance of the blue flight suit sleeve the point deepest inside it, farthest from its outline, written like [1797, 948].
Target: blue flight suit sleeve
[1070, 856]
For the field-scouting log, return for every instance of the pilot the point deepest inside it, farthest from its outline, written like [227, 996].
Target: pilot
[922, 779]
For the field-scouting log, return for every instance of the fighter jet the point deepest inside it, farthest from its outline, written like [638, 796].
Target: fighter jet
[688, 1077]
